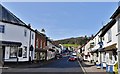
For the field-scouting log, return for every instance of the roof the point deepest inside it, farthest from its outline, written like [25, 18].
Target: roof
[107, 27]
[36, 31]
[8, 17]
[115, 13]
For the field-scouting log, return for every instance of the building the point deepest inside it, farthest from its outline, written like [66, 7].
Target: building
[110, 46]
[40, 46]
[16, 38]
[116, 16]
[51, 52]
[86, 51]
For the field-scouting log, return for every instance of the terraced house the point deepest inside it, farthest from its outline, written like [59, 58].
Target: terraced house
[105, 45]
[110, 46]
[116, 16]
[95, 48]
[40, 46]
[16, 38]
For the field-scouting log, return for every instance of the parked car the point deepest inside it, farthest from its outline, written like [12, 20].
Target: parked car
[72, 58]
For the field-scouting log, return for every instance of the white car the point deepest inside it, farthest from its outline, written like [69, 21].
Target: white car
[75, 55]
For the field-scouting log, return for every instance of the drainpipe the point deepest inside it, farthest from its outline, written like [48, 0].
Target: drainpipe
[17, 56]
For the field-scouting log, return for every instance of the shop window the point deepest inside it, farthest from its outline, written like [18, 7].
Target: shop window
[25, 52]
[13, 52]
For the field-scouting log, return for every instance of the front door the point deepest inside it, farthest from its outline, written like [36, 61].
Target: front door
[1, 55]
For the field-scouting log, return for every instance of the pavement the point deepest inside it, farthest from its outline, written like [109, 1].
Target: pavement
[26, 64]
[90, 68]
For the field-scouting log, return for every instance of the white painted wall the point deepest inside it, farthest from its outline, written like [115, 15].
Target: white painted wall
[114, 37]
[16, 34]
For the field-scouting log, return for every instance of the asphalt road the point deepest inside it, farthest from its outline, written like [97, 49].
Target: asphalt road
[60, 66]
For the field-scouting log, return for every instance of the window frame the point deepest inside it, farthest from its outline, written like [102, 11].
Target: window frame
[32, 36]
[25, 32]
[109, 35]
[2, 28]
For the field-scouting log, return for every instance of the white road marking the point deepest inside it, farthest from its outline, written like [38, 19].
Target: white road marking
[82, 67]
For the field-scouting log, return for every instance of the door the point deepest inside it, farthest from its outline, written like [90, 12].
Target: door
[1, 56]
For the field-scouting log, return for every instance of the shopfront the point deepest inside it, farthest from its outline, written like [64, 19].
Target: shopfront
[111, 58]
[41, 54]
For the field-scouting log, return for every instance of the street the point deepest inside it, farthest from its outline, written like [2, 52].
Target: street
[61, 65]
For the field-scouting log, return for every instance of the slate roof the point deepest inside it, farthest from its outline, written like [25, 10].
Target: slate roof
[8, 17]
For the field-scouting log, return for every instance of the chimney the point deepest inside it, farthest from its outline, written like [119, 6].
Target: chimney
[43, 31]
[29, 25]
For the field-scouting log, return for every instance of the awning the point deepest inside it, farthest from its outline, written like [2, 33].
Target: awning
[10, 43]
[111, 47]
[40, 50]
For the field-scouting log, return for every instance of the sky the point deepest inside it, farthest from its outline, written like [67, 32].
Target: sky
[64, 19]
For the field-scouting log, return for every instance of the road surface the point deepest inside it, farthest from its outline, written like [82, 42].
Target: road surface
[60, 66]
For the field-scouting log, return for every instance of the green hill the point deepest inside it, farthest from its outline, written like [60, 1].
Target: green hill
[73, 41]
